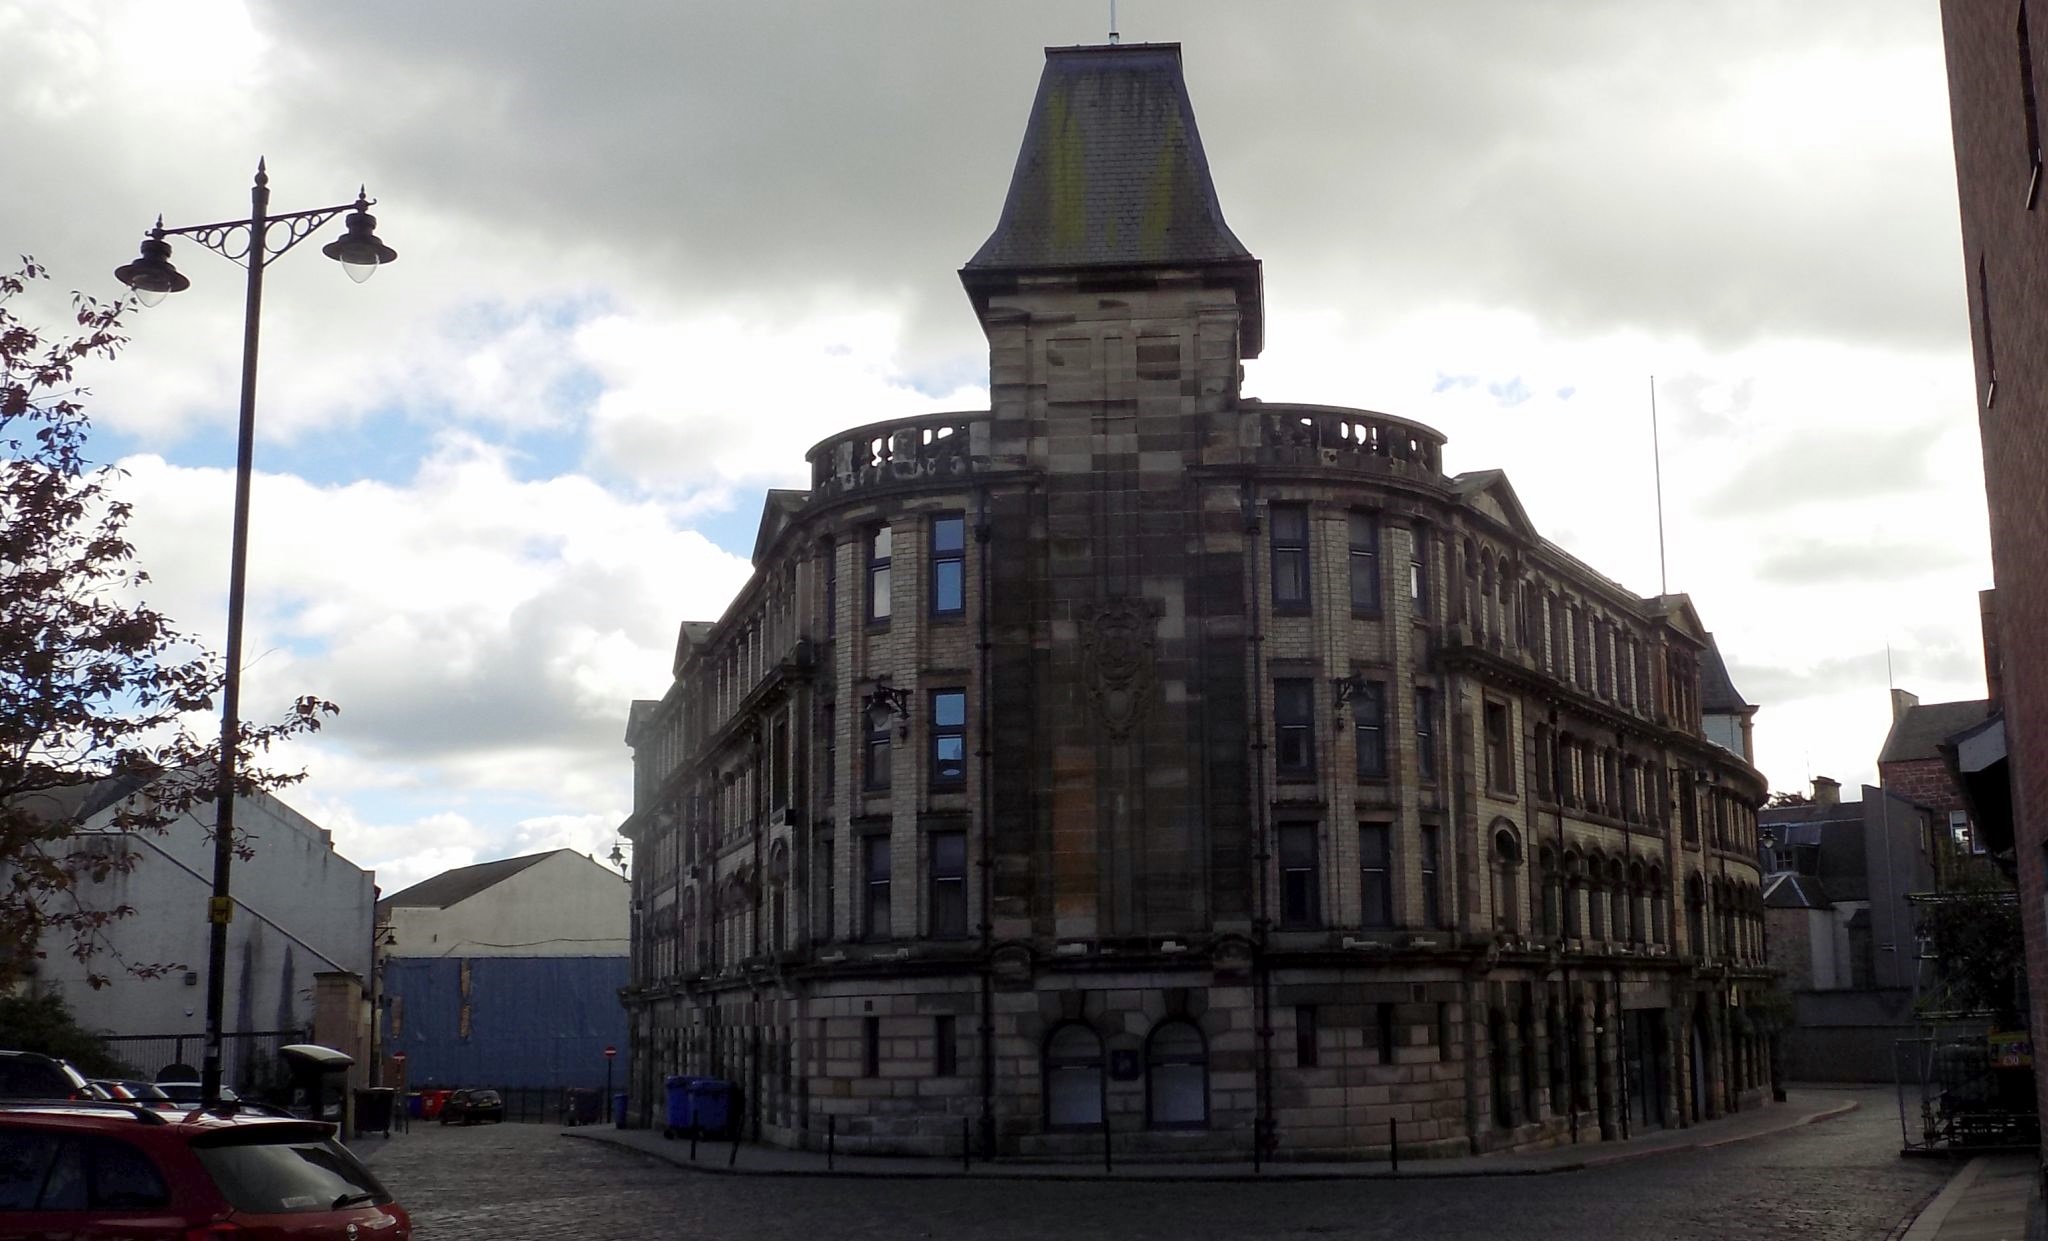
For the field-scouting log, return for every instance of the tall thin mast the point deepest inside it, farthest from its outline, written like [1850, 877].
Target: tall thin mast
[1657, 462]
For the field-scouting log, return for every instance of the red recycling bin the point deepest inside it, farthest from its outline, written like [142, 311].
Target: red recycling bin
[431, 1103]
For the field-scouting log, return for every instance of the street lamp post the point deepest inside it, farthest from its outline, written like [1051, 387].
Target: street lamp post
[252, 243]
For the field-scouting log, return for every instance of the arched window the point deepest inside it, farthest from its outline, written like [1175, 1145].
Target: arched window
[1596, 898]
[1695, 916]
[1176, 1077]
[1619, 903]
[1635, 903]
[1660, 928]
[1546, 865]
[1574, 880]
[778, 898]
[1507, 857]
[1073, 1077]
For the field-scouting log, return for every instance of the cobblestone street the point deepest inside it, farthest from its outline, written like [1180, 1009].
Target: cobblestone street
[1841, 1178]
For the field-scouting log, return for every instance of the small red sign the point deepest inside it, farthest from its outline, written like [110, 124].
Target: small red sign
[398, 1057]
[610, 1052]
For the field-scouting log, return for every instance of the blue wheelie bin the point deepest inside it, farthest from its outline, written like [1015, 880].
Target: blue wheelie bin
[711, 1106]
[676, 1117]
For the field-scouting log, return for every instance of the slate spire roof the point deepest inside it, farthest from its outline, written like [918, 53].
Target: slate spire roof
[1112, 175]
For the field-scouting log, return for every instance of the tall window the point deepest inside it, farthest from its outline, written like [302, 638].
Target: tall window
[1305, 1049]
[1507, 864]
[1073, 1077]
[1176, 1077]
[1425, 732]
[949, 885]
[1418, 568]
[1432, 888]
[949, 738]
[1375, 888]
[875, 868]
[824, 912]
[1500, 749]
[875, 751]
[1369, 726]
[1300, 877]
[1290, 557]
[948, 570]
[831, 722]
[945, 1045]
[1365, 564]
[830, 552]
[778, 765]
[878, 574]
[1294, 701]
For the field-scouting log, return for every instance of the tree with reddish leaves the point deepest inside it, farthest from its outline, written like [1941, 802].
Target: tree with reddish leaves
[99, 692]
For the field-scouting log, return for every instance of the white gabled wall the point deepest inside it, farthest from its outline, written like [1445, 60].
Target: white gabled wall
[301, 909]
[565, 905]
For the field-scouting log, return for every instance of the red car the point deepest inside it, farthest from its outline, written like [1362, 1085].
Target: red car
[113, 1170]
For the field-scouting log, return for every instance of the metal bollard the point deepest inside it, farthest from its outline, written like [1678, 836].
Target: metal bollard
[831, 1138]
[693, 1141]
[734, 1157]
[1394, 1143]
[1106, 1167]
[964, 1150]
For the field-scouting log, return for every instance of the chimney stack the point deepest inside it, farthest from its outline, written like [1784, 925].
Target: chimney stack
[1903, 701]
[1827, 792]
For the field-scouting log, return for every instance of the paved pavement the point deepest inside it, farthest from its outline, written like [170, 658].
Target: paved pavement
[1803, 1107]
[1838, 1178]
[1990, 1199]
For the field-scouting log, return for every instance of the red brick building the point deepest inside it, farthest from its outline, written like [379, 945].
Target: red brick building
[1994, 94]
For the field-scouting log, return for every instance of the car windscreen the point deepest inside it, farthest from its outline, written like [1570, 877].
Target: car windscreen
[23, 1078]
[277, 1174]
[485, 1098]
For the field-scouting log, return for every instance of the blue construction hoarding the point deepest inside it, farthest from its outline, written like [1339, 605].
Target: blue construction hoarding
[505, 1021]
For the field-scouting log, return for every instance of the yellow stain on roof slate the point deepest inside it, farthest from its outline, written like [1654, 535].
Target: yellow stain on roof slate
[1157, 228]
[1066, 175]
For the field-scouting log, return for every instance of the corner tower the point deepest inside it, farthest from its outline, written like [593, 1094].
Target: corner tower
[1118, 306]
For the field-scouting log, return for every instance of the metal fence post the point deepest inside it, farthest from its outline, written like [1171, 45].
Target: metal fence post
[831, 1138]
[1394, 1143]
[1106, 1166]
[965, 1149]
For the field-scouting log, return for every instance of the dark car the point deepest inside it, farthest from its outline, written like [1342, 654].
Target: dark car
[122, 1169]
[32, 1075]
[191, 1093]
[471, 1107]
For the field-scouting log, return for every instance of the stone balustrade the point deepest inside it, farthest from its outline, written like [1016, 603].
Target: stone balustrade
[1336, 436]
[901, 450]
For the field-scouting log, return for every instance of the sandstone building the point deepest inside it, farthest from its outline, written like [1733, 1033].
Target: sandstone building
[1136, 753]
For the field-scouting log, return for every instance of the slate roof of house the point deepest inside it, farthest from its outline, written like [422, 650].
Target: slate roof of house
[1788, 890]
[453, 886]
[1717, 690]
[1921, 728]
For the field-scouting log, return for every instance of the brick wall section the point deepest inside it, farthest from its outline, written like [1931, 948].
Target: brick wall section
[2006, 238]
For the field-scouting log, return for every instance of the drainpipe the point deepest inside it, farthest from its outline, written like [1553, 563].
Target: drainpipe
[1262, 1133]
[983, 533]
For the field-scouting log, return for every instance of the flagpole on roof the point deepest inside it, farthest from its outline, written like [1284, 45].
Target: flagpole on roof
[1657, 466]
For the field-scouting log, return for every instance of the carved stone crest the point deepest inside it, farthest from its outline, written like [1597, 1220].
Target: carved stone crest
[1116, 640]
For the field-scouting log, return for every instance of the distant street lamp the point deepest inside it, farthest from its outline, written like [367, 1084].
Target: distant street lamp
[249, 242]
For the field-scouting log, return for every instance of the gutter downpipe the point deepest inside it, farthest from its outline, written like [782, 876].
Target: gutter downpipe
[1262, 1132]
[983, 533]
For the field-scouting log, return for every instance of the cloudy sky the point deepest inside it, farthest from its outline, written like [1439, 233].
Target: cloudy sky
[652, 250]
